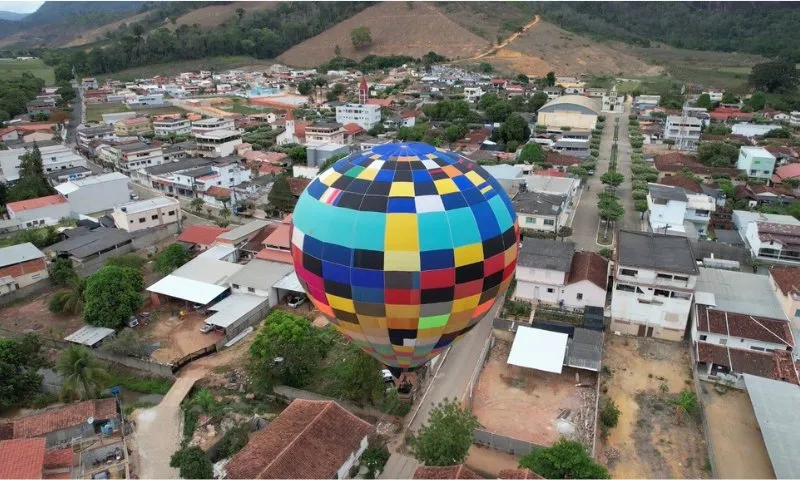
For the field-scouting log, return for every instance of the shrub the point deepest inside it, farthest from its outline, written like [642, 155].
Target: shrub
[609, 414]
[140, 384]
[234, 440]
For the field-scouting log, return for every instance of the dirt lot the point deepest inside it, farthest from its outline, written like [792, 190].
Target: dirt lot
[32, 314]
[488, 461]
[179, 337]
[738, 446]
[525, 404]
[652, 440]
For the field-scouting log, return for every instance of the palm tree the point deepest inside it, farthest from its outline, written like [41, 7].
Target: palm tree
[225, 212]
[685, 403]
[197, 204]
[84, 376]
[70, 301]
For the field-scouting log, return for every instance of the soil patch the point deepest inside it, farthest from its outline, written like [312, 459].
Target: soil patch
[32, 315]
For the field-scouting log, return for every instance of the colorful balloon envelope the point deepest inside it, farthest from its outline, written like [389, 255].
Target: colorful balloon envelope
[405, 248]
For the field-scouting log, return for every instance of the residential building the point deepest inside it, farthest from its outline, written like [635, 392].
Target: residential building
[92, 245]
[54, 158]
[290, 446]
[654, 282]
[130, 157]
[550, 271]
[131, 127]
[325, 133]
[153, 100]
[28, 458]
[172, 126]
[112, 118]
[757, 162]
[573, 111]
[209, 124]
[540, 211]
[39, 212]
[683, 130]
[150, 213]
[763, 194]
[751, 130]
[200, 237]
[738, 327]
[217, 143]
[669, 208]
[95, 194]
[74, 173]
[87, 135]
[473, 94]
[794, 119]
[21, 265]
[192, 176]
[42, 105]
[60, 425]
[714, 94]
[89, 83]
[552, 185]
[774, 242]
[509, 176]
[366, 116]
[258, 278]
[241, 235]
[785, 282]
[318, 153]
[671, 164]
[178, 151]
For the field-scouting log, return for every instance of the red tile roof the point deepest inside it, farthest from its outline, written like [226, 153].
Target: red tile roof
[310, 439]
[265, 168]
[36, 203]
[744, 326]
[562, 160]
[23, 458]
[275, 256]
[786, 278]
[453, 471]
[218, 192]
[518, 473]
[773, 365]
[682, 181]
[788, 171]
[297, 185]
[280, 237]
[589, 266]
[552, 172]
[383, 102]
[201, 234]
[64, 417]
[352, 128]
[58, 458]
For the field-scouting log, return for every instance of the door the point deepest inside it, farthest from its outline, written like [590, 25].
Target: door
[649, 331]
[536, 293]
[641, 331]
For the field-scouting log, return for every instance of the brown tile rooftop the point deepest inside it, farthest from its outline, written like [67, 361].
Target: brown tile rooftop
[768, 365]
[453, 471]
[589, 266]
[743, 326]
[63, 417]
[787, 279]
[310, 439]
[517, 473]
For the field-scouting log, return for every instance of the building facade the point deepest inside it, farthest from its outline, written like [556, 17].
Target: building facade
[150, 213]
[21, 265]
[217, 143]
[96, 193]
[757, 162]
[175, 126]
[209, 124]
[683, 130]
[366, 116]
[131, 127]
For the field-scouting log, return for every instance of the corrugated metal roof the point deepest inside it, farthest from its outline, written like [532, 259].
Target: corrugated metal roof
[231, 309]
[739, 292]
[585, 349]
[261, 274]
[187, 289]
[775, 405]
[538, 349]
[291, 283]
[19, 253]
[89, 335]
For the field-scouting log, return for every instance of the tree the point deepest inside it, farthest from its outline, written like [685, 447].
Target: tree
[225, 213]
[72, 300]
[19, 362]
[717, 154]
[32, 182]
[205, 401]
[305, 87]
[779, 133]
[62, 271]
[84, 376]
[455, 132]
[359, 376]
[564, 459]
[729, 97]
[718, 129]
[523, 79]
[127, 344]
[329, 162]
[772, 77]
[515, 128]
[112, 296]
[286, 350]
[685, 403]
[610, 211]
[192, 463]
[551, 79]
[757, 101]
[609, 414]
[280, 196]
[794, 209]
[171, 258]
[538, 99]
[606, 253]
[337, 51]
[297, 154]
[499, 111]
[641, 207]
[197, 204]
[564, 232]
[704, 101]
[446, 438]
[361, 37]
[488, 100]
[613, 179]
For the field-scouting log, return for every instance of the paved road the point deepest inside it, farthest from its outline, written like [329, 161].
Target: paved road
[632, 219]
[158, 430]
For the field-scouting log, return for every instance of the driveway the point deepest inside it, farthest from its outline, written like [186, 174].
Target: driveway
[159, 429]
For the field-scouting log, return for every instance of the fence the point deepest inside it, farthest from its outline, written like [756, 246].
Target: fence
[25, 292]
[701, 403]
[503, 443]
[181, 362]
[477, 372]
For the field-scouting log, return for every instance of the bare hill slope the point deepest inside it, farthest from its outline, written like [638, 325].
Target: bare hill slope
[214, 15]
[396, 30]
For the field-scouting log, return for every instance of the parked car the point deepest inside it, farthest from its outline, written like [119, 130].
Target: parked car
[296, 300]
[206, 327]
[387, 376]
[133, 322]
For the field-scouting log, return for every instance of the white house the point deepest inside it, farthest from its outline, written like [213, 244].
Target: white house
[473, 94]
[683, 130]
[794, 119]
[774, 242]
[97, 193]
[751, 130]
[540, 211]
[54, 158]
[153, 99]
[173, 126]
[654, 281]
[258, 278]
[209, 124]
[218, 143]
[757, 162]
[738, 326]
[366, 116]
[142, 214]
[39, 212]
[669, 207]
[714, 94]
[785, 283]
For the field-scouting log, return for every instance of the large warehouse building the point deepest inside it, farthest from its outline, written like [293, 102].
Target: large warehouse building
[573, 111]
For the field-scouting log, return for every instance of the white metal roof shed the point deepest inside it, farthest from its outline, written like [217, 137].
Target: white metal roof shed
[232, 308]
[89, 335]
[187, 289]
[538, 349]
[291, 283]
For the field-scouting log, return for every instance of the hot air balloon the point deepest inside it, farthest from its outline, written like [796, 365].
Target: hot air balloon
[404, 248]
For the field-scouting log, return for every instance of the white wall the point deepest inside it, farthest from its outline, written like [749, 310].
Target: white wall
[49, 215]
[132, 221]
[344, 471]
[592, 295]
[672, 213]
[538, 221]
[533, 284]
[99, 197]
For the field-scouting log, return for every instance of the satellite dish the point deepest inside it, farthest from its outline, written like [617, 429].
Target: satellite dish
[90, 420]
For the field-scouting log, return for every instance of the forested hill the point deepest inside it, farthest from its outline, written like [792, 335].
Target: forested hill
[766, 28]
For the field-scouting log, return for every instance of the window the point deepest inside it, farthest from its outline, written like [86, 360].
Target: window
[626, 288]
[723, 341]
[662, 276]
[758, 349]
[550, 290]
[680, 279]
[530, 220]
[628, 272]
[171, 213]
[579, 296]
[131, 221]
[682, 295]
[38, 275]
[236, 286]
[661, 293]
[251, 289]
[753, 172]
[154, 217]
[141, 220]
[797, 313]
[703, 337]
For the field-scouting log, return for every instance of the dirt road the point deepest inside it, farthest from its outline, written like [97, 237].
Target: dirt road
[508, 41]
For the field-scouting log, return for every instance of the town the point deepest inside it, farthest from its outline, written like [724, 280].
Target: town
[398, 268]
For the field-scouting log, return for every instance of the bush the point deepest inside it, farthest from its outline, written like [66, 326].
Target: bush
[42, 400]
[375, 458]
[62, 272]
[192, 463]
[609, 414]
[234, 440]
[140, 384]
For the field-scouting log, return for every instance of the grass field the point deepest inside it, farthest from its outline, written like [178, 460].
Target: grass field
[14, 68]
[174, 68]
[94, 113]
[239, 107]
